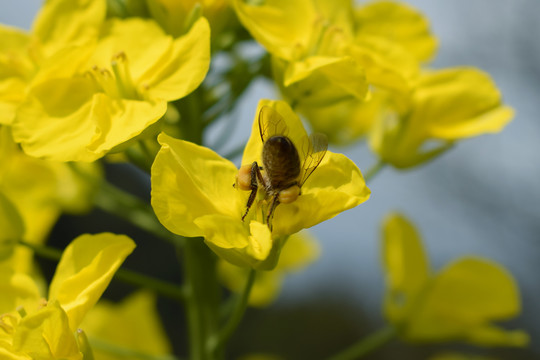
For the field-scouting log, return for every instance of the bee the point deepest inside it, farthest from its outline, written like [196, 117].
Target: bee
[282, 173]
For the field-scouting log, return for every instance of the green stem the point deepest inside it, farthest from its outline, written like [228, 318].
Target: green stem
[126, 353]
[217, 343]
[366, 345]
[202, 296]
[136, 211]
[374, 170]
[127, 276]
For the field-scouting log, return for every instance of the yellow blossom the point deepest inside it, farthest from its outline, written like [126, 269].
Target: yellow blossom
[107, 89]
[31, 328]
[193, 195]
[299, 251]
[460, 302]
[132, 326]
[175, 15]
[446, 106]
[316, 43]
[390, 41]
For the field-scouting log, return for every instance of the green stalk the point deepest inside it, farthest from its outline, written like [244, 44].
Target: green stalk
[374, 170]
[217, 343]
[115, 201]
[202, 296]
[366, 345]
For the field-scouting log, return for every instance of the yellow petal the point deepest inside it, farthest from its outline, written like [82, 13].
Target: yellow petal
[463, 300]
[458, 103]
[62, 22]
[185, 66]
[85, 270]
[17, 289]
[233, 241]
[398, 23]
[77, 124]
[46, 335]
[133, 324]
[344, 72]
[190, 181]
[335, 186]
[299, 250]
[405, 264]
[276, 24]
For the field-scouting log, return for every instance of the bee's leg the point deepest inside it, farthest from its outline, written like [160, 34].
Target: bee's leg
[273, 205]
[255, 175]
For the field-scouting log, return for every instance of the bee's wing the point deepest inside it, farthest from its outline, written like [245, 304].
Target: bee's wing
[271, 123]
[314, 149]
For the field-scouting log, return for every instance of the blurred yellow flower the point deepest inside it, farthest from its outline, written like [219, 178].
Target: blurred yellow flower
[31, 328]
[175, 15]
[131, 328]
[460, 302]
[446, 106]
[390, 41]
[192, 195]
[41, 190]
[299, 250]
[315, 43]
[60, 25]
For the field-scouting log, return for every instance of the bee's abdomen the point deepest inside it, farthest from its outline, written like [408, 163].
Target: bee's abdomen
[281, 161]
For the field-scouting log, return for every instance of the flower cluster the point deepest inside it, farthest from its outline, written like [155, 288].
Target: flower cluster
[96, 82]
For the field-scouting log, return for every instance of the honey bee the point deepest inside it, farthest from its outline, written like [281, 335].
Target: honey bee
[283, 173]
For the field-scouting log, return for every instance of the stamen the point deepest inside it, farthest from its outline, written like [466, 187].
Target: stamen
[120, 68]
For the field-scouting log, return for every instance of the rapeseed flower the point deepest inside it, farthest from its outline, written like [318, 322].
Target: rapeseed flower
[34, 328]
[111, 83]
[460, 302]
[193, 195]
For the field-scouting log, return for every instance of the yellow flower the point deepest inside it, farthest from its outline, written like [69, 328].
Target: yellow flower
[299, 251]
[446, 106]
[42, 190]
[315, 43]
[390, 41]
[193, 195]
[108, 90]
[175, 15]
[59, 25]
[132, 326]
[34, 329]
[460, 302]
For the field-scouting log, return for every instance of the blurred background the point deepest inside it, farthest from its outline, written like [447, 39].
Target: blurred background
[480, 198]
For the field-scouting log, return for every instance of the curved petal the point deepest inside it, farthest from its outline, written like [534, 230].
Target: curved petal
[184, 68]
[77, 124]
[233, 241]
[133, 323]
[276, 24]
[85, 270]
[344, 72]
[399, 23]
[191, 181]
[335, 186]
[464, 300]
[62, 22]
[17, 290]
[406, 266]
[46, 335]
[457, 103]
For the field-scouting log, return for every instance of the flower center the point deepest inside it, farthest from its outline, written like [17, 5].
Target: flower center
[119, 83]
